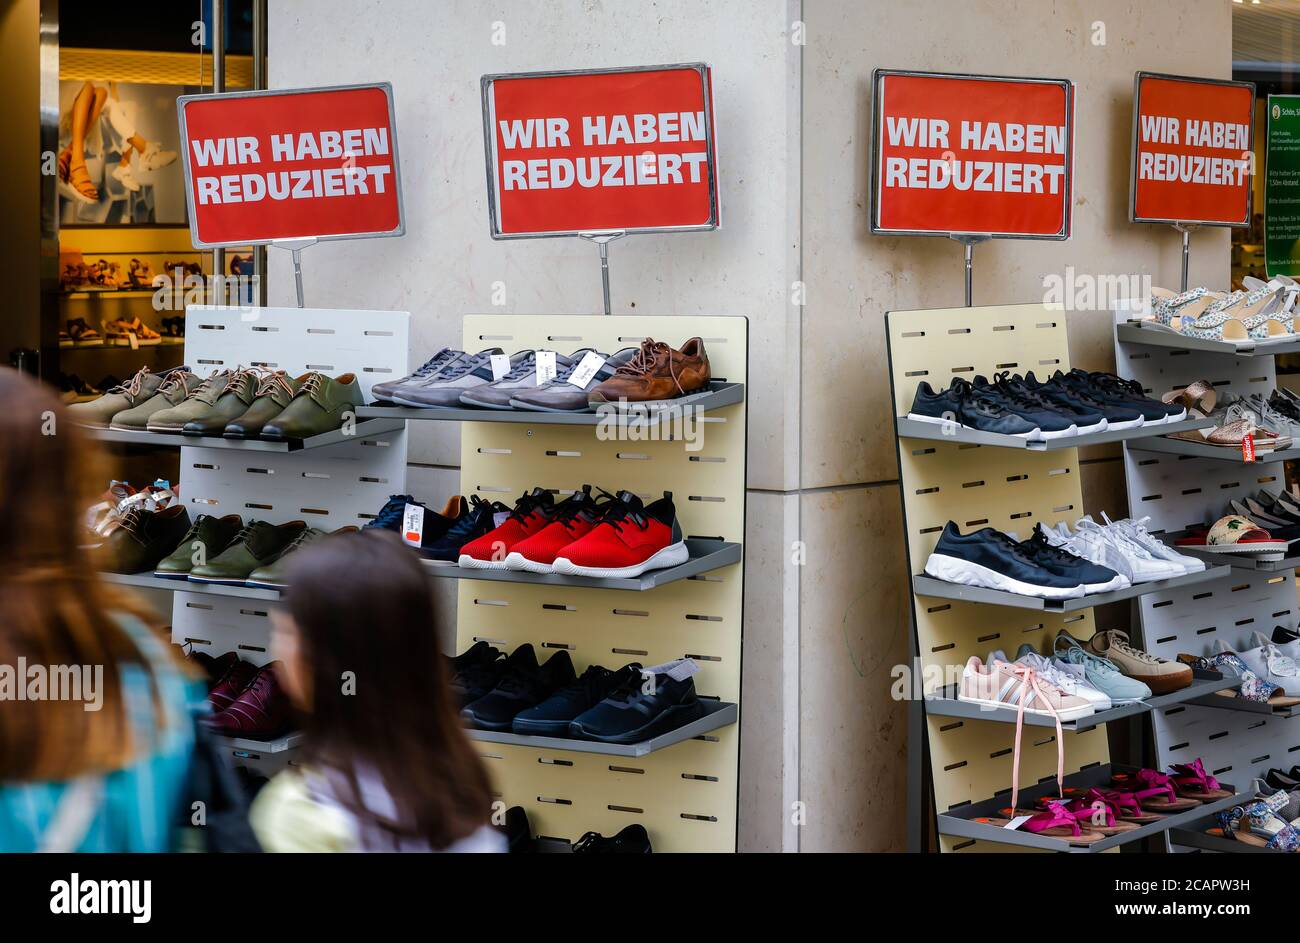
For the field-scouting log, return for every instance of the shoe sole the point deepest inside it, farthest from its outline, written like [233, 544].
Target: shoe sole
[225, 580]
[473, 563]
[262, 584]
[917, 417]
[963, 572]
[1067, 713]
[115, 426]
[1278, 546]
[1057, 434]
[475, 404]
[171, 576]
[541, 728]
[484, 725]
[672, 555]
[1120, 582]
[533, 407]
[1126, 424]
[657, 727]
[517, 561]
[1163, 684]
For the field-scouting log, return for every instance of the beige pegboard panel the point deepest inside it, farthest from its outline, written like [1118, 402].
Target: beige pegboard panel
[684, 795]
[977, 486]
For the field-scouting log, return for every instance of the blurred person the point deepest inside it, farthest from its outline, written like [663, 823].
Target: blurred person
[386, 765]
[104, 769]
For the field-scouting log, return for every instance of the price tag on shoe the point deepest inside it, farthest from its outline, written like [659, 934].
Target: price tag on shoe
[586, 369]
[500, 366]
[134, 339]
[413, 524]
[1248, 448]
[500, 517]
[545, 366]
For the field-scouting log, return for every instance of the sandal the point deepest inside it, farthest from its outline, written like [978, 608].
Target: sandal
[78, 177]
[1253, 687]
[1233, 534]
[1258, 825]
[140, 274]
[1170, 310]
[1054, 822]
[1095, 812]
[1153, 790]
[83, 335]
[1191, 781]
[1217, 324]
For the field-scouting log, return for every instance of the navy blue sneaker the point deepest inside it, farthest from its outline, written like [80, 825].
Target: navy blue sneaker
[1095, 578]
[1124, 394]
[552, 717]
[1051, 422]
[630, 715]
[964, 405]
[471, 525]
[475, 672]
[1085, 419]
[1117, 417]
[390, 515]
[990, 559]
[523, 684]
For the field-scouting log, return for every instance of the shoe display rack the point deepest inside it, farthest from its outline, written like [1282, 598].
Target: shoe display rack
[1179, 484]
[681, 786]
[330, 481]
[960, 757]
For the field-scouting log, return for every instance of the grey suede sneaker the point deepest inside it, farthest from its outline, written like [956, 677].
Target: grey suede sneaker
[383, 392]
[561, 396]
[443, 388]
[521, 378]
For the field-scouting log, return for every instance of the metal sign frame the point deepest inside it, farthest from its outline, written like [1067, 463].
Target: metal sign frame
[387, 89]
[1133, 149]
[490, 154]
[1067, 192]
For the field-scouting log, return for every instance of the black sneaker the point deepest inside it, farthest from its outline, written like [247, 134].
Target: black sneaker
[1095, 578]
[471, 525]
[1085, 419]
[1284, 636]
[633, 840]
[390, 515]
[990, 559]
[475, 672]
[551, 718]
[1052, 423]
[518, 833]
[1126, 394]
[630, 715]
[1117, 417]
[963, 404]
[523, 684]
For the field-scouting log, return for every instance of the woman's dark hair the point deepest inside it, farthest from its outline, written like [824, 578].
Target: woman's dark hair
[380, 701]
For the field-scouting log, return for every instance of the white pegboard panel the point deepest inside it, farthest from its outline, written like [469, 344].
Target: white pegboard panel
[371, 344]
[219, 624]
[1178, 491]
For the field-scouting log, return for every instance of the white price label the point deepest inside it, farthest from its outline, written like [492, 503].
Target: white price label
[545, 366]
[500, 366]
[1018, 821]
[500, 518]
[413, 524]
[586, 369]
[134, 338]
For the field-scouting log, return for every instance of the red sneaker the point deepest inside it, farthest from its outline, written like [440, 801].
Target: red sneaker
[574, 517]
[628, 540]
[532, 512]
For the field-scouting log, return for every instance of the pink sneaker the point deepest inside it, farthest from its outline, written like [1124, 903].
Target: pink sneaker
[1005, 685]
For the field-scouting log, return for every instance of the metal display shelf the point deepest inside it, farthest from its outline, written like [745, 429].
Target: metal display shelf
[924, 585]
[367, 427]
[1221, 702]
[961, 821]
[951, 432]
[1143, 332]
[149, 581]
[718, 714]
[705, 555]
[1196, 837]
[1222, 453]
[944, 703]
[718, 395]
[242, 745]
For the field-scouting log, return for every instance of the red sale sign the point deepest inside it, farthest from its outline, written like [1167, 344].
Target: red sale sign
[276, 166]
[1192, 158]
[600, 151]
[970, 154]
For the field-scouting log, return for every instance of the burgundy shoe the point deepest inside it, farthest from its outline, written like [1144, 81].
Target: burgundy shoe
[232, 684]
[214, 668]
[261, 712]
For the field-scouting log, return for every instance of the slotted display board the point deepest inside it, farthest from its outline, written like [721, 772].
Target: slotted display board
[978, 486]
[685, 795]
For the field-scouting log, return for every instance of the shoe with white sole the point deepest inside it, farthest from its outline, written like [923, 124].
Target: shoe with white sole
[1137, 532]
[1006, 685]
[1067, 681]
[123, 175]
[1101, 673]
[1161, 675]
[1268, 662]
[990, 559]
[155, 158]
[1110, 548]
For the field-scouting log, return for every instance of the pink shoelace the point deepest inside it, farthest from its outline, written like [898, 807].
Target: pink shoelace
[1031, 682]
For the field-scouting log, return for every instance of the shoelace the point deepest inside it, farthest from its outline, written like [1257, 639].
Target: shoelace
[177, 379]
[1040, 549]
[461, 366]
[643, 362]
[587, 841]
[208, 388]
[618, 512]
[1015, 549]
[525, 507]
[314, 384]
[627, 689]
[132, 386]
[586, 686]
[306, 535]
[273, 382]
[434, 363]
[1030, 682]
[1077, 654]
[1118, 640]
[132, 521]
[391, 512]
[1017, 390]
[522, 369]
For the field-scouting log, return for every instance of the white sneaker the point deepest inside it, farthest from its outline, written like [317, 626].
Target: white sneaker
[1137, 532]
[1065, 680]
[123, 175]
[1131, 560]
[1269, 663]
[155, 158]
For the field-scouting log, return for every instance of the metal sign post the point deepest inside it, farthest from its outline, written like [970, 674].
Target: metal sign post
[295, 247]
[969, 241]
[1186, 229]
[602, 241]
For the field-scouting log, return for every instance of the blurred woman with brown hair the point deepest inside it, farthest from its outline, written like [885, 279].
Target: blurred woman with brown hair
[95, 729]
[386, 764]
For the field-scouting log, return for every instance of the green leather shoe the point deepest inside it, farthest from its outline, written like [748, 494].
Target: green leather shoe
[320, 405]
[98, 413]
[173, 418]
[273, 576]
[210, 536]
[231, 404]
[143, 538]
[273, 395]
[258, 544]
[176, 387]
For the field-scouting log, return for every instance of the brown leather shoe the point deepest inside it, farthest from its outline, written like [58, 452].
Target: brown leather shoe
[657, 372]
